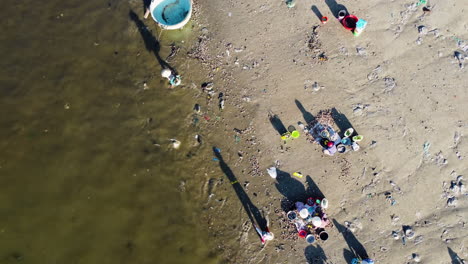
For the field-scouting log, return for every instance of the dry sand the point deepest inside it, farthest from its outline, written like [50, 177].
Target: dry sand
[398, 84]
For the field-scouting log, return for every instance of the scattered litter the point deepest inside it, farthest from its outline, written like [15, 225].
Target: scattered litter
[221, 103]
[208, 86]
[419, 41]
[409, 233]
[421, 2]
[217, 150]
[175, 143]
[298, 174]
[440, 160]
[316, 87]
[452, 202]
[456, 138]
[290, 3]
[422, 30]
[361, 51]
[198, 139]
[416, 257]
[272, 172]
[197, 108]
[215, 159]
[374, 74]
[389, 198]
[461, 59]
[426, 147]
[389, 84]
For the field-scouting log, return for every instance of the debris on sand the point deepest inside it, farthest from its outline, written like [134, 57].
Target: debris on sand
[461, 59]
[389, 84]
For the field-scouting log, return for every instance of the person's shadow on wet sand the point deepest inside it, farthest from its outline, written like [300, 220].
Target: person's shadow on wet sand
[293, 190]
[315, 255]
[355, 247]
[277, 124]
[455, 258]
[335, 8]
[308, 117]
[341, 121]
[151, 44]
[252, 211]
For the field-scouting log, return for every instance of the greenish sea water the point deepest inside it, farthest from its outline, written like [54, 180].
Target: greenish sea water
[86, 171]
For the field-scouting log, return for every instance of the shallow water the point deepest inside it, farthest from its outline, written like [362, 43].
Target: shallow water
[86, 171]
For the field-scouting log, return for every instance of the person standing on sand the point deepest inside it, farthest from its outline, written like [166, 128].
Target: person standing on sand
[256, 216]
[266, 235]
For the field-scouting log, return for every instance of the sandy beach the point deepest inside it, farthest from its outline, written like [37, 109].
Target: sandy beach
[398, 84]
[89, 172]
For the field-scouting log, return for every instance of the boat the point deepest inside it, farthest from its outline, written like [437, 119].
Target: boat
[171, 14]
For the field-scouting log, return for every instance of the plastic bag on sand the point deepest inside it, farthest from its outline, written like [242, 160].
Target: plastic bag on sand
[272, 172]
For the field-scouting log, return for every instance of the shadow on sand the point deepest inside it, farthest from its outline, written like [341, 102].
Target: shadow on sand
[252, 211]
[277, 124]
[335, 8]
[455, 258]
[355, 247]
[308, 117]
[317, 12]
[342, 121]
[315, 255]
[294, 191]
[151, 43]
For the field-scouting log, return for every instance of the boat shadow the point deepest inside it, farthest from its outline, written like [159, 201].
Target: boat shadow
[151, 43]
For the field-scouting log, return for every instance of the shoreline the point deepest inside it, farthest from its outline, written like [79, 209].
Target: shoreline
[271, 68]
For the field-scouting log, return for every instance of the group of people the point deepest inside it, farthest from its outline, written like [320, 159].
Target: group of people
[310, 219]
[331, 141]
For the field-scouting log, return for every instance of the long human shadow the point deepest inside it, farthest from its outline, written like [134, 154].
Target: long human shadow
[151, 43]
[277, 124]
[315, 255]
[355, 247]
[317, 12]
[455, 258]
[335, 8]
[294, 191]
[312, 189]
[252, 211]
[342, 121]
[308, 117]
[146, 4]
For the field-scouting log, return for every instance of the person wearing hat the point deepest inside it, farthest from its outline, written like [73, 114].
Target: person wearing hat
[264, 235]
[329, 147]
